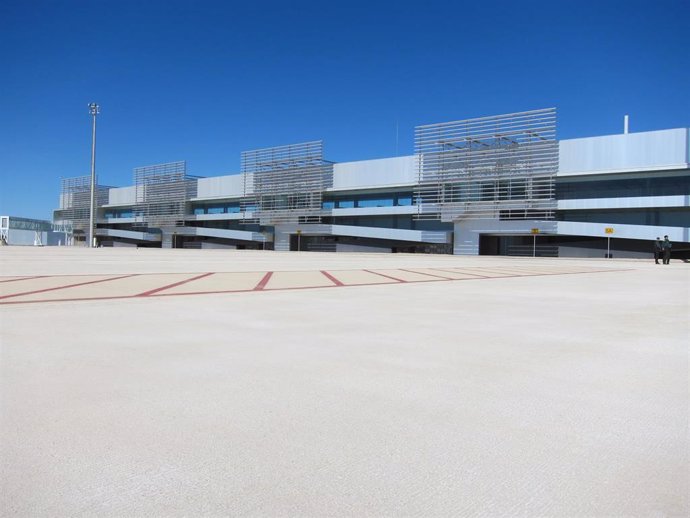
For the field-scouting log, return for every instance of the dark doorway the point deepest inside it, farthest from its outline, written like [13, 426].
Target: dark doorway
[488, 245]
[296, 243]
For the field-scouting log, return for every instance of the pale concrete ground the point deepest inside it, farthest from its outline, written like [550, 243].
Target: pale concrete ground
[561, 395]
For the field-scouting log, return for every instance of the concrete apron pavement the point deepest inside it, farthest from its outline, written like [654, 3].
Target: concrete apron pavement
[505, 396]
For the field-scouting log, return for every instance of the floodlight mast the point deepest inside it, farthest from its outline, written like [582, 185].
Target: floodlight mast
[94, 110]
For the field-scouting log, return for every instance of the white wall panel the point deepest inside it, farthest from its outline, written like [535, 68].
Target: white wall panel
[122, 196]
[665, 149]
[17, 236]
[218, 217]
[375, 211]
[373, 173]
[229, 186]
[129, 234]
[648, 232]
[632, 202]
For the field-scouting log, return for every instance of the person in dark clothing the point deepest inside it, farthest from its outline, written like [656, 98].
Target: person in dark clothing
[658, 249]
[666, 245]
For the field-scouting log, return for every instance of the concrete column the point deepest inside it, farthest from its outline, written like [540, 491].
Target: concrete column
[281, 238]
[166, 238]
[466, 240]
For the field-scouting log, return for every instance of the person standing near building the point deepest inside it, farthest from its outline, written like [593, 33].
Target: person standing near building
[666, 245]
[658, 248]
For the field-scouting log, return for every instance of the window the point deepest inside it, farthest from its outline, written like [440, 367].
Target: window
[126, 213]
[652, 186]
[380, 202]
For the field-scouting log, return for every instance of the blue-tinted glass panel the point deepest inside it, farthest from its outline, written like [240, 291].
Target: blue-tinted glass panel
[328, 204]
[405, 201]
[216, 210]
[631, 187]
[346, 204]
[380, 202]
[198, 210]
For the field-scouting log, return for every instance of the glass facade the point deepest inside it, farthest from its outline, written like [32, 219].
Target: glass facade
[216, 208]
[567, 189]
[118, 213]
[369, 201]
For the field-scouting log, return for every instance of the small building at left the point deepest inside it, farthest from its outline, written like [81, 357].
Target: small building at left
[32, 232]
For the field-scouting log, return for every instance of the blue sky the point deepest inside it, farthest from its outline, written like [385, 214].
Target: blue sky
[201, 81]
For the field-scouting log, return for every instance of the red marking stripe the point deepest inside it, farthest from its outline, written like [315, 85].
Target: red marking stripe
[185, 281]
[67, 286]
[461, 273]
[261, 285]
[506, 271]
[332, 279]
[263, 282]
[24, 278]
[429, 274]
[384, 275]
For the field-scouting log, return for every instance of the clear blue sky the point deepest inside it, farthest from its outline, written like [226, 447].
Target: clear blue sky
[201, 80]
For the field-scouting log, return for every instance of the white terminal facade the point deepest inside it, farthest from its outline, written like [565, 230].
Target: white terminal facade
[499, 185]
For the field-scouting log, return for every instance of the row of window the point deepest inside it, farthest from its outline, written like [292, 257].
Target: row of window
[339, 203]
[513, 189]
[351, 203]
[629, 187]
[232, 208]
[122, 213]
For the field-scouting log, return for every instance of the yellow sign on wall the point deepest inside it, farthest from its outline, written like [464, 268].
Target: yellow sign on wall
[608, 230]
[535, 231]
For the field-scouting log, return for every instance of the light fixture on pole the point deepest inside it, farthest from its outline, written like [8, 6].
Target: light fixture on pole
[94, 110]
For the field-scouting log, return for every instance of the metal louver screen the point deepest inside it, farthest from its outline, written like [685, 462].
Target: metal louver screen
[285, 184]
[162, 192]
[500, 167]
[75, 201]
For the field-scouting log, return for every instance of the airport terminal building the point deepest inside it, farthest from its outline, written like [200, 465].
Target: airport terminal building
[501, 185]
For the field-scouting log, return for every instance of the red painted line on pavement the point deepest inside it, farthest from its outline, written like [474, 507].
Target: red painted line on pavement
[113, 297]
[263, 282]
[502, 273]
[506, 271]
[332, 279]
[429, 274]
[185, 281]
[462, 273]
[24, 278]
[67, 286]
[387, 276]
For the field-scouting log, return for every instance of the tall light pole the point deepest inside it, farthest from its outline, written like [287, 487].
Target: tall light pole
[94, 110]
